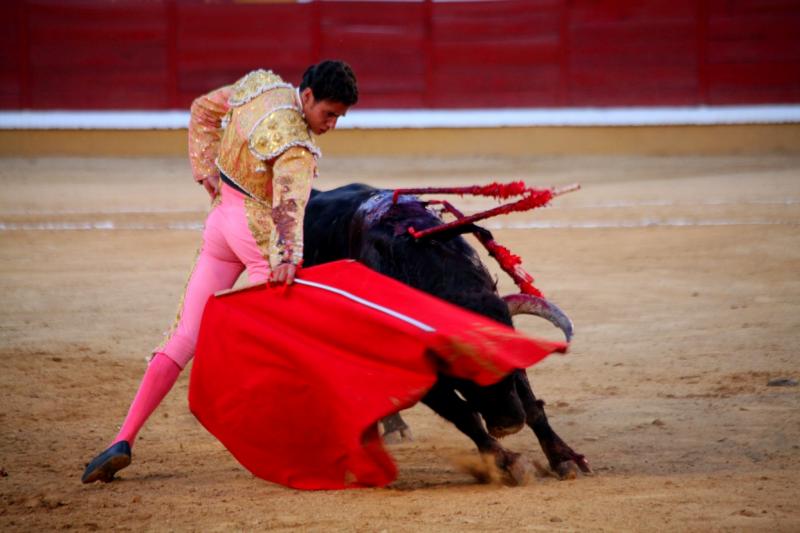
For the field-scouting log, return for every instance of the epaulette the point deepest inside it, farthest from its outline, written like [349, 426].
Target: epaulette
[253, 84]
[281, 129]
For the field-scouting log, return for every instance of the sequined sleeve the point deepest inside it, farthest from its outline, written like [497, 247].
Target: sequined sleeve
[205, 132]
[293, 172]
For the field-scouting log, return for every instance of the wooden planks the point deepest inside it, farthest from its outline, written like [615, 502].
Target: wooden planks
[160, 54]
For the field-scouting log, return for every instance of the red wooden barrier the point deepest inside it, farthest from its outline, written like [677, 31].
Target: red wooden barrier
[754, 51]
[14, 79]
[160, 54]
[90, 54]
[385, 45]
[218, 43]
[634, 52]
[496, 54]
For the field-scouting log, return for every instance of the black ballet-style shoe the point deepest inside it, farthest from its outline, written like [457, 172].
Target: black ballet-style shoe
[104, 466]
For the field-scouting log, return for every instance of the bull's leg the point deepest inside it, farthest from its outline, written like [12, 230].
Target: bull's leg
[563, 460]
[444, 401]
[395, 429]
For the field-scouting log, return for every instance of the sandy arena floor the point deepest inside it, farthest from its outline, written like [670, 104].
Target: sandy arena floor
[681, 274]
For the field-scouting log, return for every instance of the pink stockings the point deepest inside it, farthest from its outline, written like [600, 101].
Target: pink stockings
[228, 248]
[160, 376]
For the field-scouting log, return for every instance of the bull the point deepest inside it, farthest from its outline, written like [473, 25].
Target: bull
[363, 223]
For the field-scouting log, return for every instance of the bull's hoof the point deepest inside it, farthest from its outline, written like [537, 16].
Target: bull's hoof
[566, 470]
[395, 430]
[483, 468]
[583, 464]
[398, 436]
[507, 468]
[519, 472]
[516, 469]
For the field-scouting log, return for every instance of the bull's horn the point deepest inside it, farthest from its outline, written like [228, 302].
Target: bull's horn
[534, 305]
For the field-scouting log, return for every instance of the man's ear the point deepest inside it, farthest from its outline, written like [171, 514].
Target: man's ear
[307, 96]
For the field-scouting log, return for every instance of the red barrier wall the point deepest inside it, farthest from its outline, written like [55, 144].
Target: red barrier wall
[160, 54]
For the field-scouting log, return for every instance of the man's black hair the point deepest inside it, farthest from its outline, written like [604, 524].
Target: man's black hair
[332, 80]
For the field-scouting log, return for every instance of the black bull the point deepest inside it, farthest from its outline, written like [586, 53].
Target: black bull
[360, 222]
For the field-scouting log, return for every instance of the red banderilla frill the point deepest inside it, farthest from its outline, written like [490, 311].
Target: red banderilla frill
[531, 199]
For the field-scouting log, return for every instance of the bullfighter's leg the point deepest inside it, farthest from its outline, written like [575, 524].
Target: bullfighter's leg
[446, 403]
[209, 275]
[219, 263]
[563, 460]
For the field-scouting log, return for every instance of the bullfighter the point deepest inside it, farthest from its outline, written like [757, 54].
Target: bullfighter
[251, 147]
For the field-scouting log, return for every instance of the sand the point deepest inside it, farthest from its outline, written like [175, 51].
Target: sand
[681, 275]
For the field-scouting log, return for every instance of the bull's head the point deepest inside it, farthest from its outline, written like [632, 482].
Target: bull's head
[530, 300]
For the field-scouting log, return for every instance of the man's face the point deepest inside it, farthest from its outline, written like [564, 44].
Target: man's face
[321, 115]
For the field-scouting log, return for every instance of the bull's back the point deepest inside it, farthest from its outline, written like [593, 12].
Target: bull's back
[338, 225]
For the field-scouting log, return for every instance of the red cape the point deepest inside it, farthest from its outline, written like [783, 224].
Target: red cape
[294, 380]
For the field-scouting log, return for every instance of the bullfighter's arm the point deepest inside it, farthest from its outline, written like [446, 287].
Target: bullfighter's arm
[293, 172]
[205, 133]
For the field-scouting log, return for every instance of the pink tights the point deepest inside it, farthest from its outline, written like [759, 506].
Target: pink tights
[160, 376]
[228, 248]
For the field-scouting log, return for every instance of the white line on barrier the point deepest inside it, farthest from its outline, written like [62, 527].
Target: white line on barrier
[102, 225]
[614, 204]
[433, 118]
[107, 225]
[641, 223]
[106, 212]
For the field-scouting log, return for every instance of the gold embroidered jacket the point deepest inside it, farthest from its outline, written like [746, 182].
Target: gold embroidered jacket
[254, 131]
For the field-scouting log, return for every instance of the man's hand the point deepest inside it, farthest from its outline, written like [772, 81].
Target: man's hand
[283, 274]
[211, 185]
